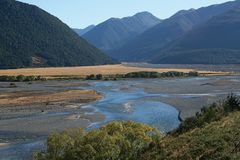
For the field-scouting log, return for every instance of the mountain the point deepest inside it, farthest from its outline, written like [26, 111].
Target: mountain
[31, 37]
[114, 32]
[215, 42]
[149, 44]
[81, 32]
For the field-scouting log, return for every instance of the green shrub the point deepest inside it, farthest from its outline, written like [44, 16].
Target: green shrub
[193, 74]
[99, 77]
[20, 78]
[210, 114]
[232, 103]
[116, 140]
[91, 77]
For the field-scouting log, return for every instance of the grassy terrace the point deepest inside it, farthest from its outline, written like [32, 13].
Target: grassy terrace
[106, 71]
[22, 78]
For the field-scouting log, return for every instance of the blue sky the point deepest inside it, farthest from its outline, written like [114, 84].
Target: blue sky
[81, 13]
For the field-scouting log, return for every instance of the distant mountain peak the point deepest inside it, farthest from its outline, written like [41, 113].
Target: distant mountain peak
[144, 13]
[114, 32]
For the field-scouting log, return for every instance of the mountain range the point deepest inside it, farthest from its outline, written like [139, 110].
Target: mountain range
[31, 37]
[216, 41]
[149, 45]
[114, 32]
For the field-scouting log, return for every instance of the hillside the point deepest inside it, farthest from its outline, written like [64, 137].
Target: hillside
[115, 32]
[217, 140]
[81, 32]
[215, 42]
[30, 37]
[150, 43]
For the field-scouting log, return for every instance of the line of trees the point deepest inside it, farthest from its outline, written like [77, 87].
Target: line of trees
[142, 74]
[21, 78]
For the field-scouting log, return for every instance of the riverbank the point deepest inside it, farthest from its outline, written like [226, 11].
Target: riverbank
[63, 105]
[44, 107]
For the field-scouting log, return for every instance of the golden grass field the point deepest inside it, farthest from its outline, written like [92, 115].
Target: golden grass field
[87, 70]
[30, 98]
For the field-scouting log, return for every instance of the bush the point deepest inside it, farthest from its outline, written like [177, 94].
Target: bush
[158, 75]
[210, 114]
[99, 77]
[21, 78]
[193, 74]
[232, 103]
[116, 140]
[91, 77]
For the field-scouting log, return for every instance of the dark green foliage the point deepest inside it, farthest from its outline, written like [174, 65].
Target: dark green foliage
[91, 77]
[215, 140]
[99, 76]
[159, 75]
[231, 104]
[193, 74]
[31, 37]
[210, 114]
[116, 140]
[142, 75]
[94, 77]
[21, 78]
[8, 78]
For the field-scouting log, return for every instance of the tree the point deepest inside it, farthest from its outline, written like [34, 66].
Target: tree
[116, 140]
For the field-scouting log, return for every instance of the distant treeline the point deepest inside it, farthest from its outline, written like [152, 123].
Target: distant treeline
[21, 78]
[142, 75]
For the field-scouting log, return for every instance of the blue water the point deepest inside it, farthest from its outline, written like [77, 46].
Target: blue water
[123, 101]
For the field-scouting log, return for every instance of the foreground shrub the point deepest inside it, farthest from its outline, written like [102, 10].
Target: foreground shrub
[214, 133]
[210, 114]
[116, 140]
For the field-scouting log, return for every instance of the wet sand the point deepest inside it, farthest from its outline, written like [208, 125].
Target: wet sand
[40, 108]
[189, 95]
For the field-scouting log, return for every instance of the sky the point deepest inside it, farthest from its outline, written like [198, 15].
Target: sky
[82, 13]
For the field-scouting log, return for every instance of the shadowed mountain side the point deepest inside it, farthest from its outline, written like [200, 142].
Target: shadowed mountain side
[115, 32]
[216, 42]
[31, 37]
[147, 45]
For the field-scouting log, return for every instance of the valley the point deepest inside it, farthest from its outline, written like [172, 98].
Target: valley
[119, 80]
[30, 111]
